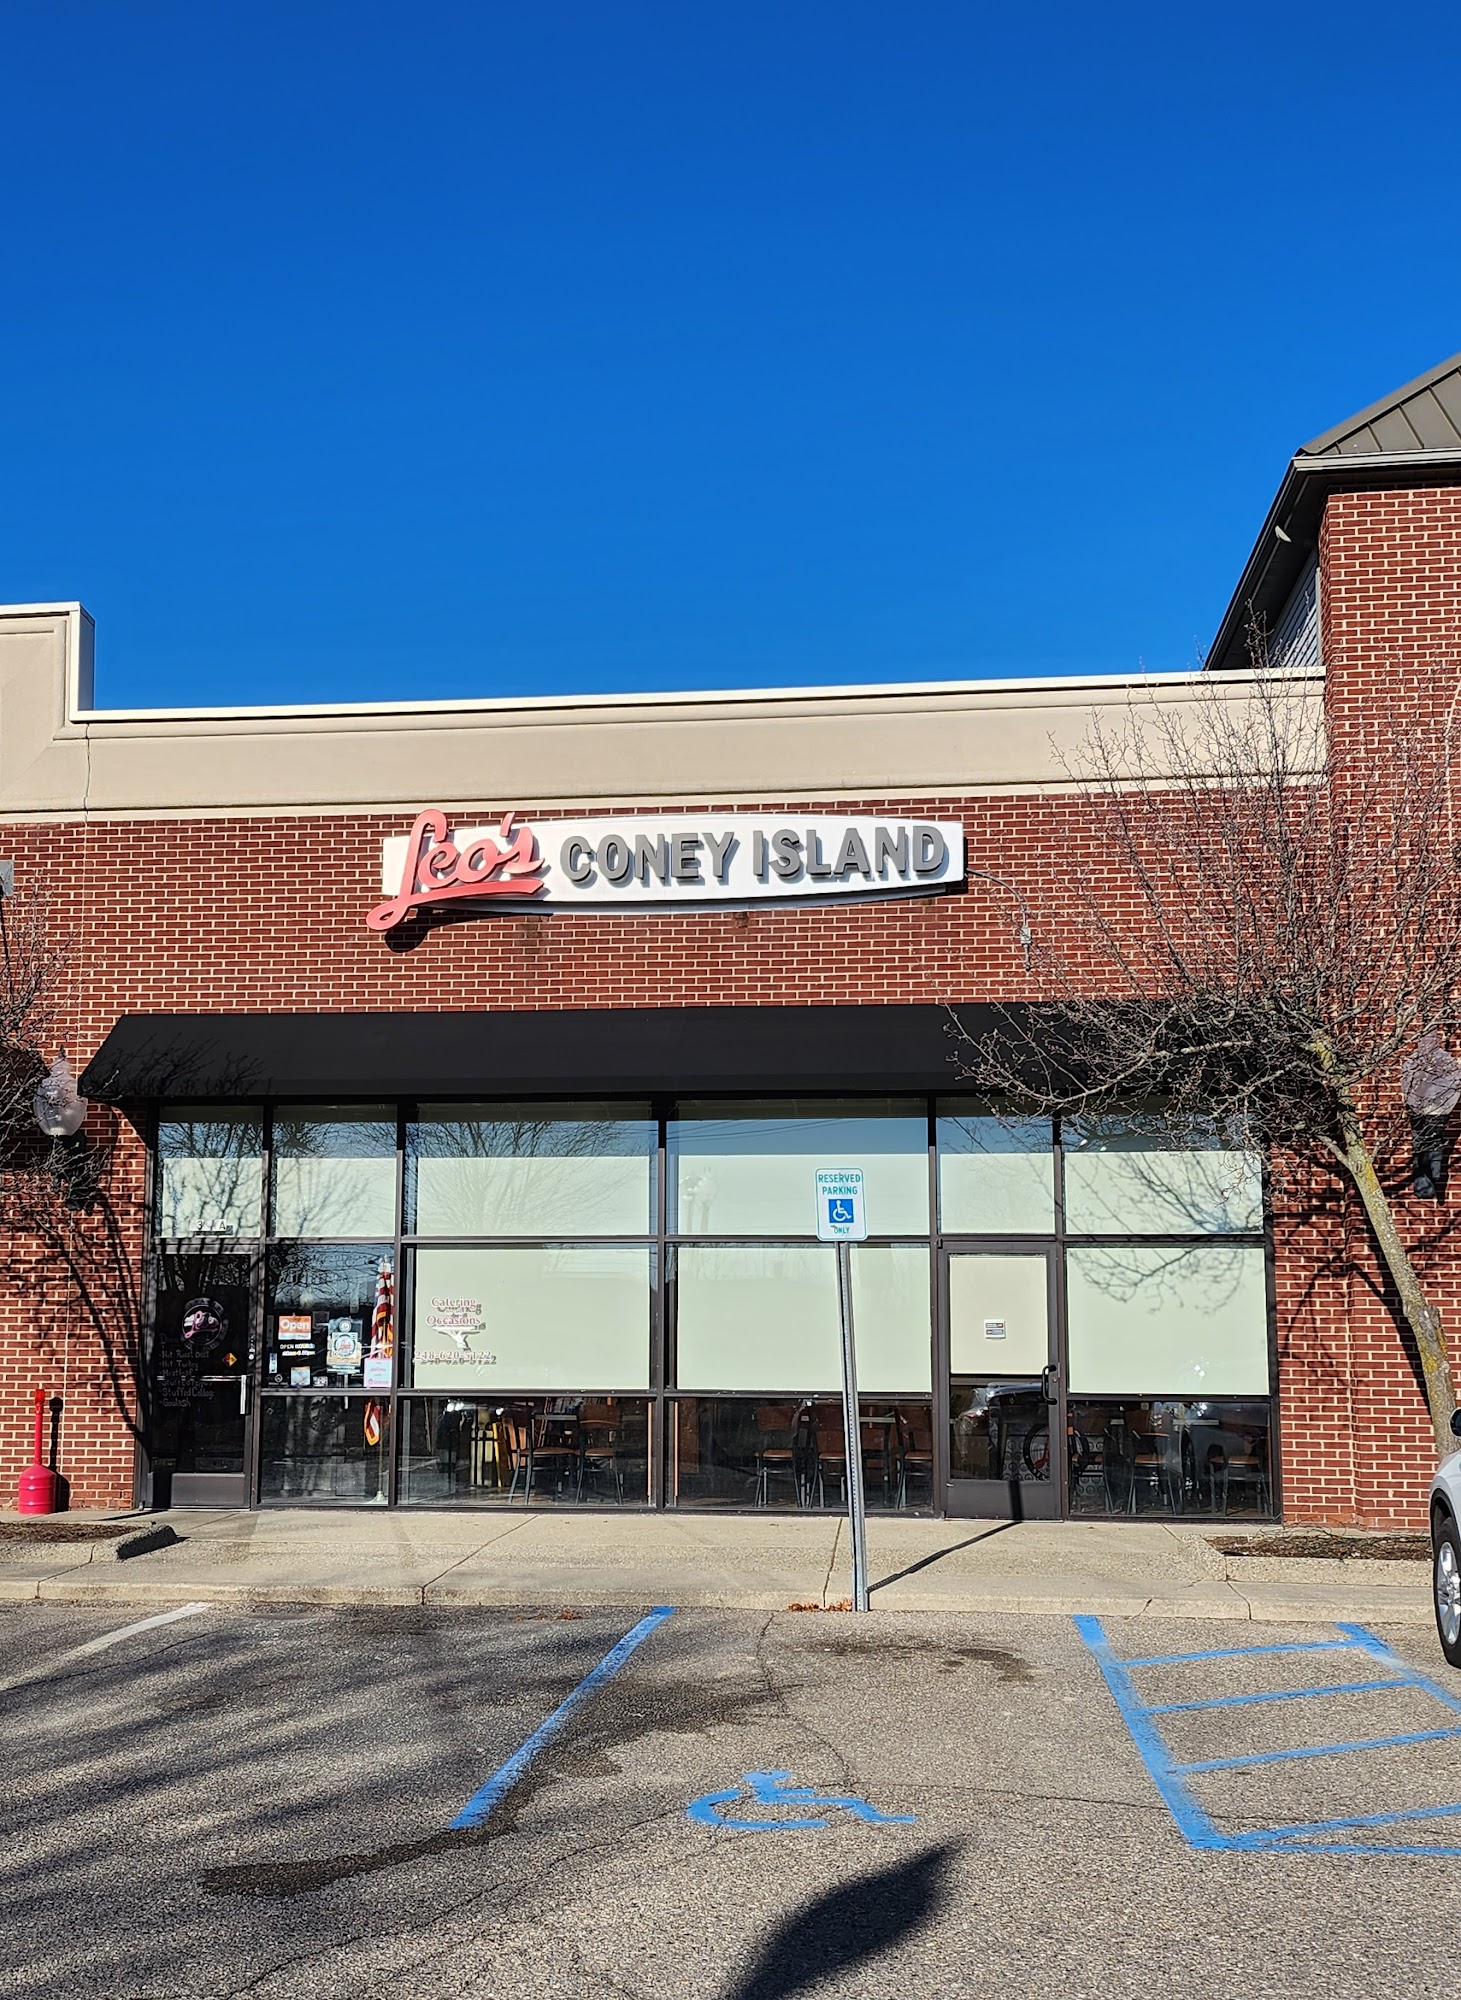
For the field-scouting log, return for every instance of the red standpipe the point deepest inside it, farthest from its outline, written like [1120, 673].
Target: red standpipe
[39, 1491]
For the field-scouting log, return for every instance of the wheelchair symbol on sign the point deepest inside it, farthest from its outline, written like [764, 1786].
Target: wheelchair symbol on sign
[839, 1213]
[774, 1788]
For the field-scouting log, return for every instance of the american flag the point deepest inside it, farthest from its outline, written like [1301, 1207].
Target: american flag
[382, 1325]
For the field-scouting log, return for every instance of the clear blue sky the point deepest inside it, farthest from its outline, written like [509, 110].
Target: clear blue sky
[360, 350]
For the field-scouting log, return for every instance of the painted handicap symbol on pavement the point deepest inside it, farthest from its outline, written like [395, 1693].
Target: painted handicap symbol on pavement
[774, 1788]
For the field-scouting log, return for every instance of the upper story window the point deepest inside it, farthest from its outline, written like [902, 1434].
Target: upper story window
[1144, 1176]
[210, 1166]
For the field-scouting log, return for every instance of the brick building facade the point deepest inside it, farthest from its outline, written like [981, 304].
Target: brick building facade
[211, 873]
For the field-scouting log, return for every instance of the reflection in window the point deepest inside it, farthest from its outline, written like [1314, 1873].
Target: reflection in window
[996, 1176]
[210, 1173]
[749, 1169]
[1141, 1176]
[462, 1451]
[324, 1449]
[321, 1320]
[999, 1430]
[791, 1454]
[532, 1316]
[334, 1172]
[1184, 1320]
[1170, 1457]
[531, 1170]
[764, 1316]
[200, 1351]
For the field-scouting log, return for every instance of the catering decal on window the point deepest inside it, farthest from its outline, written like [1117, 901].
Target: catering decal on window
[614, 863]
[456, 1326]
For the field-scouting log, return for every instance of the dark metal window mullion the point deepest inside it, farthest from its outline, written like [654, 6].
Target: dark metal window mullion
[1270, 1299]
[939, 1347]
[397, 1409]
[259, 1313]
[147, 1331]
[662, 1364]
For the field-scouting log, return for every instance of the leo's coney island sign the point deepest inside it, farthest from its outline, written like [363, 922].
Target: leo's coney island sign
[682, 860]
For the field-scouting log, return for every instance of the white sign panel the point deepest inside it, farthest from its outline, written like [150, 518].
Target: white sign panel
[636, 860]
[841, 1210]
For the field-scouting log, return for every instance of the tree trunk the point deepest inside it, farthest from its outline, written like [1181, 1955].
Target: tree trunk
[1421, 1316]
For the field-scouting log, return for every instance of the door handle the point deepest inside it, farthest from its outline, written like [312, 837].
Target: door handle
[243, 1395]
[1047, 1383]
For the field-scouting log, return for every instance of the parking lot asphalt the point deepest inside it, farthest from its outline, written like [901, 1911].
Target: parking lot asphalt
[750, 1805]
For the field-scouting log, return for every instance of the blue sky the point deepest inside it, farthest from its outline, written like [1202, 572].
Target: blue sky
[364, 351]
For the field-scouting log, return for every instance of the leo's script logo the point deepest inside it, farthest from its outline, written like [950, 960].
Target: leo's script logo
[437, 871]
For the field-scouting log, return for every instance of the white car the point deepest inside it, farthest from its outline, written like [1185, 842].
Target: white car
[1446, 1549]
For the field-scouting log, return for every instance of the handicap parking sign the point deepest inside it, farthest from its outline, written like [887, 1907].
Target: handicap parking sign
[841, 1213]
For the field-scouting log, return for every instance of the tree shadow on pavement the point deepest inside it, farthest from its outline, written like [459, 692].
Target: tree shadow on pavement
[843, 1928]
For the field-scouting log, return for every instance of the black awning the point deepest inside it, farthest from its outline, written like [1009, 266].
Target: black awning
[586, 1052]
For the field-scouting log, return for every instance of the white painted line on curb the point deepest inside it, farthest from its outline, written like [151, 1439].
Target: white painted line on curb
[106, 1640]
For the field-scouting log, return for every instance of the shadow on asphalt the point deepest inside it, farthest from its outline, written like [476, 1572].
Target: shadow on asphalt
[847, 1926]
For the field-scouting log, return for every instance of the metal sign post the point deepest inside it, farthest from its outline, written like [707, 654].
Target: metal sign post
[842, 1221]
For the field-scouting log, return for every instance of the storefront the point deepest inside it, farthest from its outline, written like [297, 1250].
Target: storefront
[459, 1074]
[623, 1303]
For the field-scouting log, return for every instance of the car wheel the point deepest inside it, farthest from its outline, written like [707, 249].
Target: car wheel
[1446, 1545]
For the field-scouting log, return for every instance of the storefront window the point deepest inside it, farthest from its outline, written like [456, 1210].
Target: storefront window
[334, 1172]
[200, 1354]
[462, 1451]
[325, 1448]
[999, 1431]
[996, 1177]
[749, 1169]
[999, 1313]
[1169, 1457]
[210, 1178]
[531, 1170]
[765, 1452]
[1137, 1177]
[1178, 1321]
[321, 1320]
[764, 1316]
[570, 1316]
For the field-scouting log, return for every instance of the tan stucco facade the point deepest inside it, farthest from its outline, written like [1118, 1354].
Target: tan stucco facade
[59, 755]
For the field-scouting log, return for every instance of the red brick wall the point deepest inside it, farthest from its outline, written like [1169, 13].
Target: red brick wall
[1357, 1438]
[236, 915]
[240, 915]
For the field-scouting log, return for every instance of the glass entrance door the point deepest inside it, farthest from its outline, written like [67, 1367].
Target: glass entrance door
[1004, 1394]
[201, 1389]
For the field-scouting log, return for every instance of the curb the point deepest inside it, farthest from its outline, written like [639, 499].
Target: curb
[1392, 1607]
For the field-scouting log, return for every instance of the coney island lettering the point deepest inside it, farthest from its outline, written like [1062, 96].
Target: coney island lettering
[615, 863]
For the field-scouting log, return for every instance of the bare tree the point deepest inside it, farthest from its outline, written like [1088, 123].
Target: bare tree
[33, 968]
[1261, 926]
[69, 1212]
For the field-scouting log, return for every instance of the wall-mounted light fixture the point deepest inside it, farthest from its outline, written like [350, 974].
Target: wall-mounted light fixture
[61, 1112]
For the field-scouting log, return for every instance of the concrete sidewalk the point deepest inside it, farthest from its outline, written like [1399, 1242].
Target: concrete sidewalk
[751, 1562]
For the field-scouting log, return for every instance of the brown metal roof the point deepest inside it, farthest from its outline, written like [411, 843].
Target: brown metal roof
[1425, 415]
[1410, 437]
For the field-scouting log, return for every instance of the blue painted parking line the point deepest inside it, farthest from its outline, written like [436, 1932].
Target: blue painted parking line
[1314, 1750]
[1229, 1652]
[1194, 1822]
[497, 1787]
[1283, 1694]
